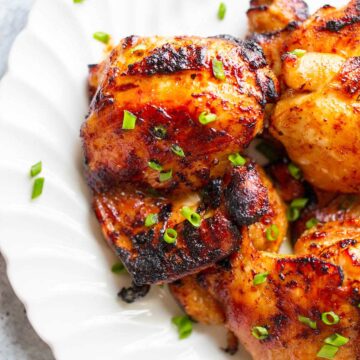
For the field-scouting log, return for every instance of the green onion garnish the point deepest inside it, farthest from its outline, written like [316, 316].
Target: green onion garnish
[218, 69]
[221, 11]
[170, 236]
[272, 232]
[118, 268]
[294, 171]
[184, 326]
[191, 216]
[102, 37]
[299, 203]
[140, 47]
[78, 1]
[36, 169]
[165, 176]
[155, 165]
[205, 117]
[259, 332]
[311, 223]
[292, 214]
[37, 188]
[330, 318]
[236, 159]
[336, 340]
[151, 220]
[159, 131]
[298, 52]
[176, 149]
[129, 120]
[260, 278]
[311, 323]
[327, 352]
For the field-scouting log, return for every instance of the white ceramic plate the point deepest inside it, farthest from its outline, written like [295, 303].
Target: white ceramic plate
[57, 261]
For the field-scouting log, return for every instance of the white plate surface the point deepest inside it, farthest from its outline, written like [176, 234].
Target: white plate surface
[57, 261]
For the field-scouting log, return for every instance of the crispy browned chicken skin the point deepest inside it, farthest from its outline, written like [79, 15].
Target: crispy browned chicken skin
[322, 277]
[271, 22]
[224, 204]
[196, 301]
[317, 118]
[167, 84]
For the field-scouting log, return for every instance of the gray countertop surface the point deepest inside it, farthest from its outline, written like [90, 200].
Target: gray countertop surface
[18, 340]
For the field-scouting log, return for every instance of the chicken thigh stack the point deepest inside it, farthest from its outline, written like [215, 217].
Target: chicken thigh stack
[163, 135]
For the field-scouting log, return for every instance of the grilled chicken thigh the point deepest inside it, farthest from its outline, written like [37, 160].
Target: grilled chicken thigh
[269, 318]
[196, 100]
[223, 205]
[266, 234]
[271, 22]
[317, 118]
[267, 16]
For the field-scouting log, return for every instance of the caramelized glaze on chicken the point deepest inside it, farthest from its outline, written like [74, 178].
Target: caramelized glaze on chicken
[167, 83]
[267, 16]
[317, 118]
[270, 24]
[223, 205]
[322, 277]
[196, 301]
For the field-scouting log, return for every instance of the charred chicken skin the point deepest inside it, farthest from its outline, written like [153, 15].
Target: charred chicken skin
[266, 234]
[205, 96]
[317, 118]
[224, 205]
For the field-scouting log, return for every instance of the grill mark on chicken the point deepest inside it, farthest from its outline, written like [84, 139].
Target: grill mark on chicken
[167, 60]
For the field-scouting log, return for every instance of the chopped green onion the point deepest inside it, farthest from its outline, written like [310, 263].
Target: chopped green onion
[294, 171]
[298, 52]
[184, 326]
[269, 151]
[311, 223]
[327, 351]
[218, 69]
[78, 1]
[272, 232]
[37, 188]
[151, 220]
[102, 37]
[330, 318]
[221, 11]
[155, 165]
[236, 159]
[292, 214]
[260, 278]
[299, 203]
[118, 268]
[259, 332]
[170, 236]
[176, 149]
[159, 132]
[206, 117]
[336, 340]
[311, 323]
[129, 120]
[140, 47]
[165, 176]
[36, 169]
[191, 216]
